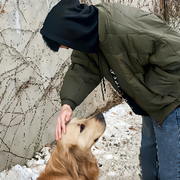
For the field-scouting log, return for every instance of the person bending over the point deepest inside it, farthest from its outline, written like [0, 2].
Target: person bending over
[143, 53]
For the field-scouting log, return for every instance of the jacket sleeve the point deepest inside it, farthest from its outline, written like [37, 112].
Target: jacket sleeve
[81, 78]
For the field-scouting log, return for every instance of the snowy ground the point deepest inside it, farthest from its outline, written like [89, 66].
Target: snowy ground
[117, 151]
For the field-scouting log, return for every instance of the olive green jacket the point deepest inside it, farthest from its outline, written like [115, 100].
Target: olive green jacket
[144, 53]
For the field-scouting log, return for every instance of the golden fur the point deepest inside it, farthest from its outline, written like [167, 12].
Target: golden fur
[72, 158]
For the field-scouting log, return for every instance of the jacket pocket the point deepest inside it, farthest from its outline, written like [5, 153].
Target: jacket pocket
[162, 82]
[124, 65]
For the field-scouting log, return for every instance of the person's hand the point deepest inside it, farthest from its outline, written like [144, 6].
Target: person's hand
[64, 117]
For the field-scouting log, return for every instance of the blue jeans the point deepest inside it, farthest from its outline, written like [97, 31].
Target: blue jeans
[160, 148]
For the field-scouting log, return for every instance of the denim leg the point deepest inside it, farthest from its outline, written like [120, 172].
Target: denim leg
[168, 146]
[148, 151]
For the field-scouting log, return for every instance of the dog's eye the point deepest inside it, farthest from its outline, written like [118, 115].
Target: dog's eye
[96, 140]
[82, 127]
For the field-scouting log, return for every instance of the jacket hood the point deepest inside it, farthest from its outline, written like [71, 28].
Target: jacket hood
[73, 25]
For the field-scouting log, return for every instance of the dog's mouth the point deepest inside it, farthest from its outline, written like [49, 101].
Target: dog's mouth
[96, 140]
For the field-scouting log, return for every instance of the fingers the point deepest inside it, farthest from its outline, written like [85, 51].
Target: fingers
[68, 118]
[58, 129]
[57, 137]
[64, 121]
[63, 118]
[61, 127]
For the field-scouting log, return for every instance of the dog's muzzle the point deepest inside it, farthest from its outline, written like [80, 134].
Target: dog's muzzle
[101, 118]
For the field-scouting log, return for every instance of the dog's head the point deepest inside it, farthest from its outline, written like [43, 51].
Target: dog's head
[84, 132]
[72, 158]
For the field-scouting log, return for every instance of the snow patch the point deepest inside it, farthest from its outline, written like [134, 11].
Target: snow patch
[111, 173]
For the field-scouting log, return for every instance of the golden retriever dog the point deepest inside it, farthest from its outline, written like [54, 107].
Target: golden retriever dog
[72, 158]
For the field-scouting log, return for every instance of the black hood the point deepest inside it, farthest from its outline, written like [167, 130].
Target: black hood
[73, 25]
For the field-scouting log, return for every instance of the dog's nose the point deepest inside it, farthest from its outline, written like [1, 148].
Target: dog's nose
[101, 118]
